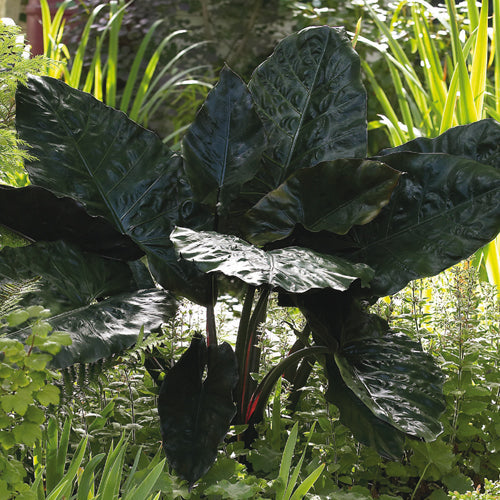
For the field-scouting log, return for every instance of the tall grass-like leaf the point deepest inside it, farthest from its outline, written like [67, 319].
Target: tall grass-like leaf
[112, 63]
[109, 485]
[496, 50]
[308, 483]
[64, 487]
[86, 482]
[466, 106]
[134, 70]
[74, 77]
[286, 462]
[432, 65]
[56, 452]
[480, 60]
[144, 488]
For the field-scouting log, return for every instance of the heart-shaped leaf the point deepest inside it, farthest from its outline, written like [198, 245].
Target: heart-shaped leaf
[108, 327]
[479, 141]
[312, 102]
[365, 426]
[293, 269]
[195, 414]
[396, 380]
[223, 146]
[97, 156]
[443, 209]
[331, 196]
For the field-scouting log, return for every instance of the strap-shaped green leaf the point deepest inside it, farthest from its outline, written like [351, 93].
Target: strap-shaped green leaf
[331, 196]
[195, 414]
[223, 146]
[443, 209]
[397, 381]
[293, 269]
[312, 102]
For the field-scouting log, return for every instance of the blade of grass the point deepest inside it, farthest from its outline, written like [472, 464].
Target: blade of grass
[308, 483]
[77, 67]
[473, 11]
[466, 108]
[400, 136]
[117, 11]
[429, 55]
[286, 463]
[144, 488]
[496, 49]
[453, 96]
[64, 487]
[295, 475]
[480, 61]
[134, 70]
[86, 484]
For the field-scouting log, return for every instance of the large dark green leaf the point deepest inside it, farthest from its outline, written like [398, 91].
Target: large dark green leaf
[337, 317]
[69, 277]
[108, 327]
[223, 147]
[365, 426]
[39, 215]
[312, 102]
[479, 141]
[293, 269]
[96, 155]
[443, 209]
[331, 196]
[396, 380]
[195, 414]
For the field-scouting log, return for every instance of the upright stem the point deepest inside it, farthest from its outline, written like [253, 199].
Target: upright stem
[247, 352]
[211, 328]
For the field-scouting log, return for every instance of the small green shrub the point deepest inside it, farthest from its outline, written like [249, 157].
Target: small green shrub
[491, 492]
[15, 65]
[26, 391]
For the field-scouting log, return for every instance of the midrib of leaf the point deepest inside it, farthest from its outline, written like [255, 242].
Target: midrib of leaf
[302, 115]
[430, 219]
[226, 148]
[89, 172]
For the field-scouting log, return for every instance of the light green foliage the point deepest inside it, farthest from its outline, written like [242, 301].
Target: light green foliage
[25, 392]
[15, 65]
[491, 492]
[151, 81]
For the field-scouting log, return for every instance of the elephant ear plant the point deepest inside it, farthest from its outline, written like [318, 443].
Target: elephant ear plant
[272, 192]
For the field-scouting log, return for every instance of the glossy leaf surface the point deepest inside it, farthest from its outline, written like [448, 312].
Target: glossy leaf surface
[69, 277]
[396, 380]
[39, 215]
[331, 196]
[443, 209]
[365, 426]
[312, 102]
[112, 166]
[223, 146]
[479, 141]
[293, 269]
[108, 327]
[195, 414]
